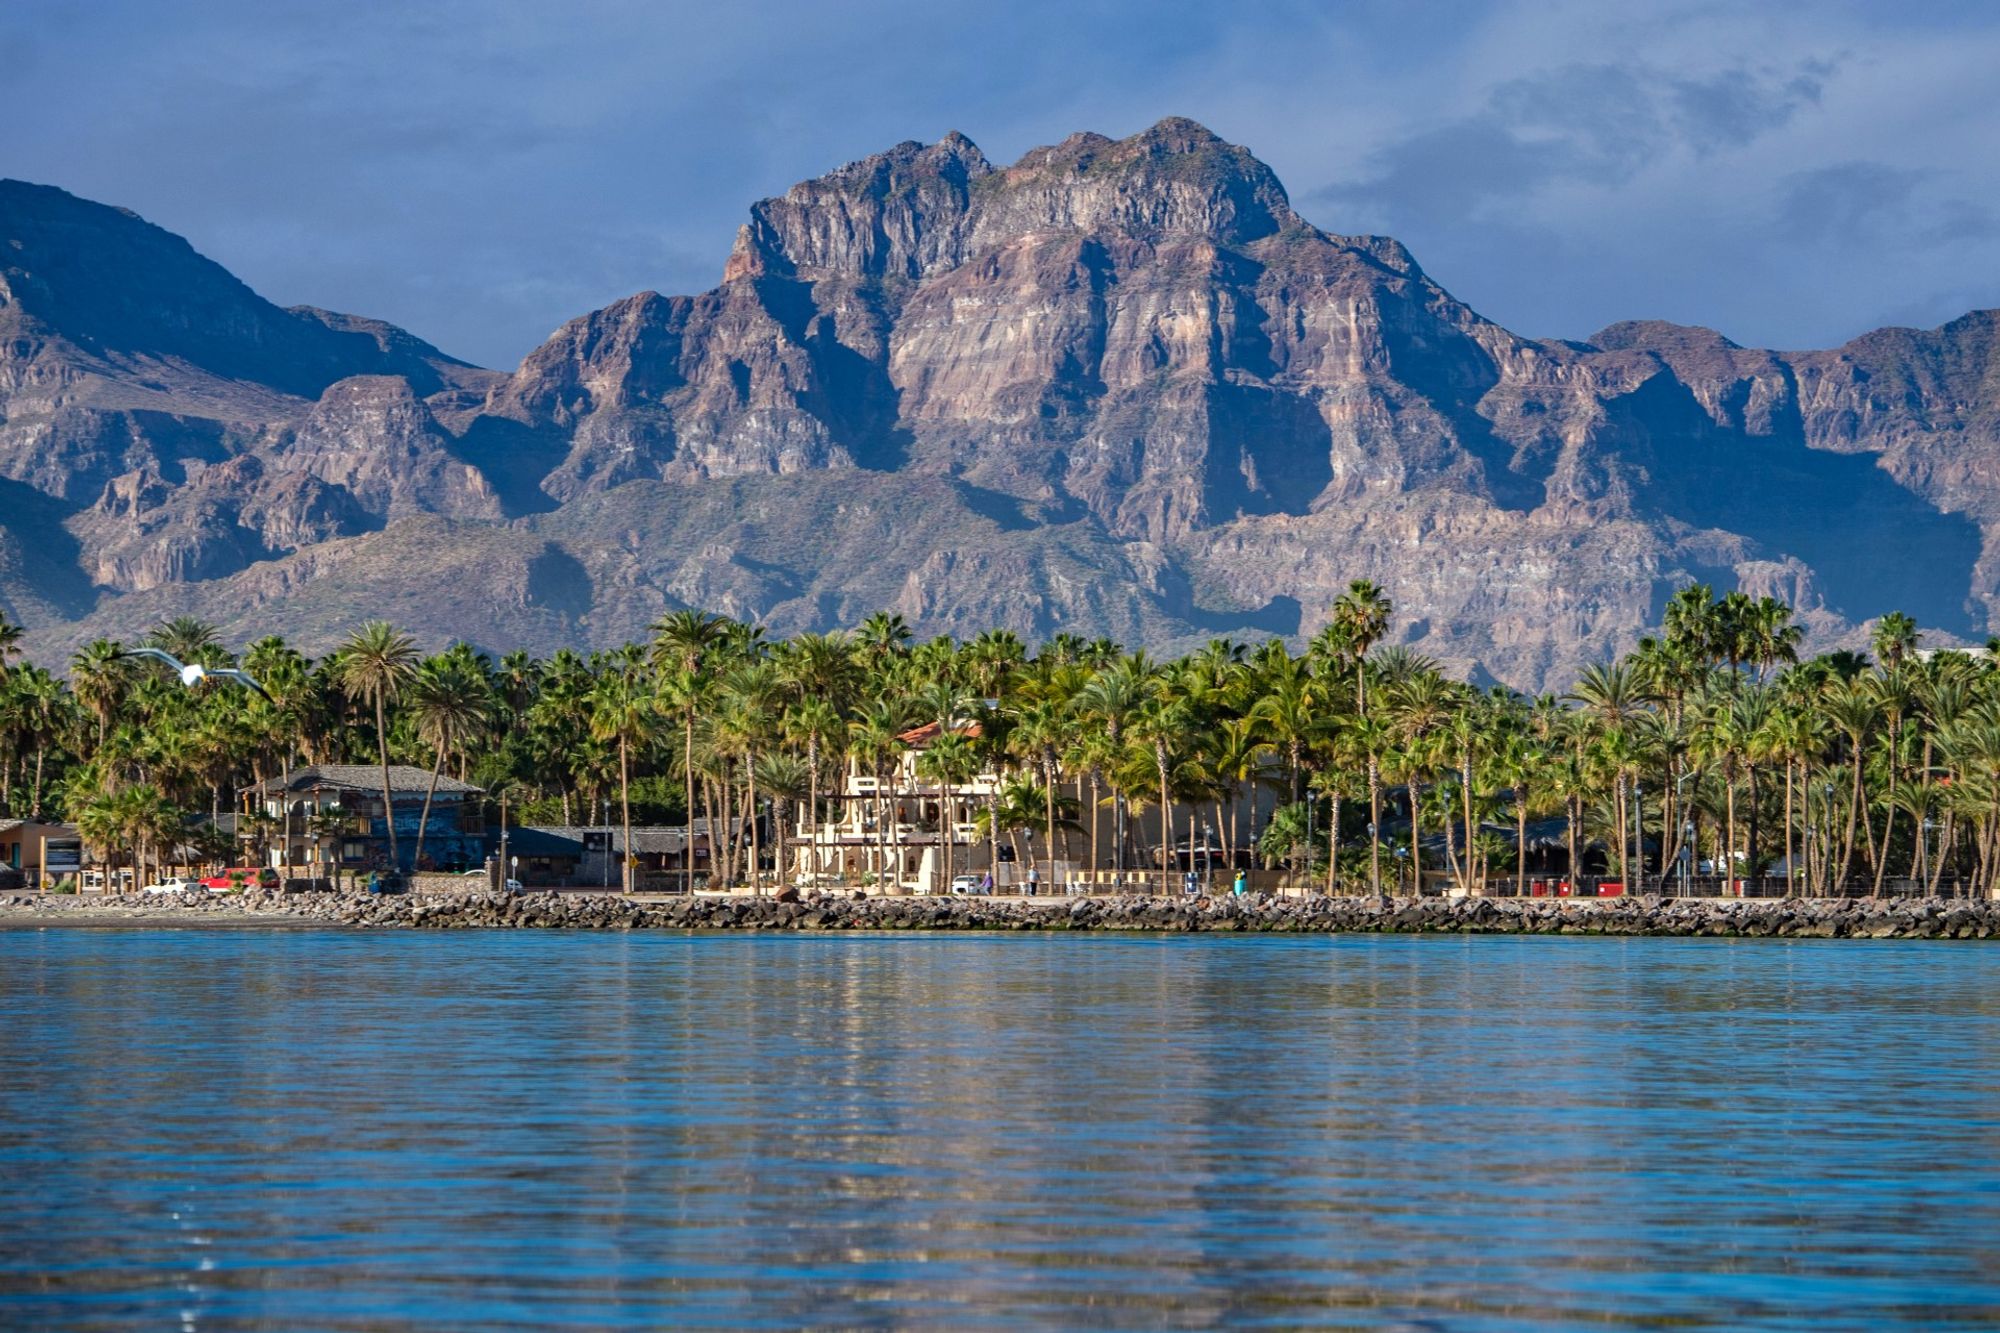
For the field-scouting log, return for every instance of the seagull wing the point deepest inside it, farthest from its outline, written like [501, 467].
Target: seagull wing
[243, 678]
[158, 655]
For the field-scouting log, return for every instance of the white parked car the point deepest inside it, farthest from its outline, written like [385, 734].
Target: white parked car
[175, 885]
[969, 884]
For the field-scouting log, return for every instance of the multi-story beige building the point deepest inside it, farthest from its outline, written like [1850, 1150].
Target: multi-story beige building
[907, 833]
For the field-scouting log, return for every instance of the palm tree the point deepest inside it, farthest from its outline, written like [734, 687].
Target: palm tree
[1362, 613]
[1423, 703]
[814, 721]
[41, 699]
[1110, 699]
[1039, 735]
[99, 677]
[751, 693]
[376, 663]
[450, 709]
[10, 643]
[875, 740]
[1289, 713]
[948, 760]
[1371, 738]
[189, 638]
[683, 641]
[1894, 639]
[1614, 695]
[783, 777]
[1851, 708]
[624, 712]
[1162, 724]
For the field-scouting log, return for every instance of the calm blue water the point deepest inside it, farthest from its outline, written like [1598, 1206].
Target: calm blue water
[313, 1129]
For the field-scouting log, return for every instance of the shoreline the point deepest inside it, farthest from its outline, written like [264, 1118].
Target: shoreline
[1753, 918]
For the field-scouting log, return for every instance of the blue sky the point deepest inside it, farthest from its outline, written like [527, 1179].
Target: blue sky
[1793, 174]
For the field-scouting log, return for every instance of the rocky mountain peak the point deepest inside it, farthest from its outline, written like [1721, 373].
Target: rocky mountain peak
[1177, 177]
[112, 286]
[893, 214]
[1660, 335]
[917, 209]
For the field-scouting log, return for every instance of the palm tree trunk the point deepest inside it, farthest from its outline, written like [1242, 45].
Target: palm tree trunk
[1166, 822]
[1920, 856]
[1451, 858]
[1465, 792]
[1332, 844]
[1853, 813]
[1096, 794]
[1882, 861]
[388, 800]
[1374, 828]
[1729, 832]
[687, 835]
[1049, 813]
[424, 819]
[947, 828]
[1233, 826]
[1521, 842]
[1416, 843]
[1944, 850]
[1570, 817]
[625, 807]
[1791, 862]
[1618, 812]
[811, 821]
[1222, 812]
[756, 866]
[1753, 842]
[895, 831]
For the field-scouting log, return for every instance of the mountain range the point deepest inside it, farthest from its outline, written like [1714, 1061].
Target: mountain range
[1119, 387]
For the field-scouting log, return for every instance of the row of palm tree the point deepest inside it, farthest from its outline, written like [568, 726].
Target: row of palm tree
[1709, 744]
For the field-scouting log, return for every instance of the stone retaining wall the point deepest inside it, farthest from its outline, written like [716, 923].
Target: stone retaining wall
[1898, 919]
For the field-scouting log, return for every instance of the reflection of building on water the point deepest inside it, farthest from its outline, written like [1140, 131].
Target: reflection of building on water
[912, 831]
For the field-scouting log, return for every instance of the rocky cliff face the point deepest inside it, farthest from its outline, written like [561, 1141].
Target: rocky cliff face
[1119, 386]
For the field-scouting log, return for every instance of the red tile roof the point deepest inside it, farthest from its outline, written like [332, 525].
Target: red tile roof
[918, 737]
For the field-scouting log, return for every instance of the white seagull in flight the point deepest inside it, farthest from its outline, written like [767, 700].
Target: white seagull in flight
[194, 673]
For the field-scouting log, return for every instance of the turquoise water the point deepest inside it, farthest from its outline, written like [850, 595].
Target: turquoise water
[313, 1129]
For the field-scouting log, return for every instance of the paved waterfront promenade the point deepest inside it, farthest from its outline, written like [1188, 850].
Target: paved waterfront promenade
[1794, 918]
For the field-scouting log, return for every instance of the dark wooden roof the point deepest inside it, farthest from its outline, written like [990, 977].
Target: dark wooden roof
[363, 779]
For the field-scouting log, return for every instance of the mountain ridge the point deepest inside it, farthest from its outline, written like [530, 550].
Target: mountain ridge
[1120, 385]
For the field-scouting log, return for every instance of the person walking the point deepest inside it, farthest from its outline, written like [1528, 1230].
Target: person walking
[1034, 880]
[1240, 886]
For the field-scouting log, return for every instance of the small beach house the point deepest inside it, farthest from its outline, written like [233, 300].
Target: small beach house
[325, 818]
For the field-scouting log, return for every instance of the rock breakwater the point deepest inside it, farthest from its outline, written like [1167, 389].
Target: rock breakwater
[1755, 918]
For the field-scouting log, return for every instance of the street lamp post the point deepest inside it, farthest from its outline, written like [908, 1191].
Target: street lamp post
[504, 876]
[1687, 854]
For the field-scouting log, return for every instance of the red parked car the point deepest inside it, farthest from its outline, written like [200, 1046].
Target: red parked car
[242, 877]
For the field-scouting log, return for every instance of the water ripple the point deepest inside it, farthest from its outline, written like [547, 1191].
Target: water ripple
[319, 1129]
